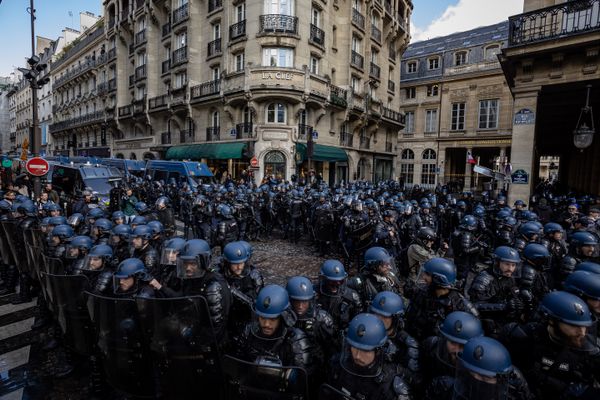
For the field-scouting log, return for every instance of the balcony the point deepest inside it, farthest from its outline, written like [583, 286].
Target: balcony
[166, 29]
[376, 34]
[392, 115]
[181, 14]
[391, 86]
[338, 96]
[140, 37]
[166, 66]
[374, 70]
[131, 49]
[278, 23]
[358, 19]
[213, 133]
[102, 88]
[187, 136]
[554, 22]
[317, 35]
[165, 138]
[365, 142]
[237, 30]
[304, 131]
[158, 101]
[112, 54]
[214, 5]
[214, 47]
[179, 56]
[112, 84]
[357, 60]
[131, 80]
[392, 55]
[139, 105]
[140, 72]
[125, 111]
[346, 139]
[388, 7]
[91, 118]
[206, 89]
[388, 147]
[244, 131]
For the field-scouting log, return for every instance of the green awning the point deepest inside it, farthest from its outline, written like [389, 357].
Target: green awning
[323, 153]
[210, 151]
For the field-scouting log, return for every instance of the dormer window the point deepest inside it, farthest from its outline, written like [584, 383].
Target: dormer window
[434, 63]
[460, 58]
[411, 67]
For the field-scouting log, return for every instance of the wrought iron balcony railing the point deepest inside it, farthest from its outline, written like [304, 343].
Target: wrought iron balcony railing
[213, 133]
[180, 14]
[140, 72]
[237, 30]
[376, 33]
[112, 54]
[214, 47]
[558, 21]
[278, 23]
[374, 70]
[214, 5]
[304, 131]
[206, 89]
[365, 142]
[338, 96]
[179, 56]
[357, 60]
[187, 136]
[165, 138]
[125, 111]
[358, 18]
[166, 29]
[244, 130]
[140, 37]
[346, 139]
[317, 35]
[158, 101]
[166, 66]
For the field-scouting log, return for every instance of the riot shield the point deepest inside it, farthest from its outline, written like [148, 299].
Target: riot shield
[71, 311]
[50, 266]
[327, 392]
[362, 236]
[183, 344]
[125, 357]
[265, 380]
[14, 244]
[7, 256]
[30, 238]
[324, 226]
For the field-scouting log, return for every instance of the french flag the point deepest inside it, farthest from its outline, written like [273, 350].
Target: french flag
[470, 158]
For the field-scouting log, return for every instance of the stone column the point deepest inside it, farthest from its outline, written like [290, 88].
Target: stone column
[523, 145]
[468, 170]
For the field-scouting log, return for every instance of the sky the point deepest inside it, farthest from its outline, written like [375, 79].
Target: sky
[52, 18]
[430, 18]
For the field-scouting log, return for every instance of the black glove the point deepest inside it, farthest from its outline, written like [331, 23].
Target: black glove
[145, 277]
[515, 305]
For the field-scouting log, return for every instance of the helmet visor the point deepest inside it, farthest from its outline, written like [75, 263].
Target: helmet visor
[169, 256]
[191, 267]
[72, 252]
[361, 362]
[93, 263]
[476, 385]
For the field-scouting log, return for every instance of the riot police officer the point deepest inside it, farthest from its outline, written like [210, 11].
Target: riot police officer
[557, 355]
[101, 231]
[98, 267]
[334, 296]
[421, 251]
[378, 275]
[435, 297]
[555, 242]
[166, 215]
[536, 278]
[586, 285]
[119, 240]
[361, 370]
[142, 249]
[465, 246]
[131, 280]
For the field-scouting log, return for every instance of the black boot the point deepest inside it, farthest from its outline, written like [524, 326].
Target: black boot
[24, 295]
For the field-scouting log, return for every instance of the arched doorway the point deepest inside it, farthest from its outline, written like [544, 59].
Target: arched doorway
[120, 155]
[275, 164]
[149, 156]
[133, 156]
[362, 172]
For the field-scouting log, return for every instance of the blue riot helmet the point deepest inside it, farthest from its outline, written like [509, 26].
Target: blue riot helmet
[118, 217]
[28, 208]
[120, 233]
[460, 327]
[519, 203]
[378, 260]
[537, 256]
[248, 247]
[5, 206]
[102, 227]
[479, 212]
[194, 259]
[502, 214]
[484, 370]
[567, 308]
[171, 250]
[78, 246]
[235, 253]
[141, 208]
[137, 221]
[140, 236]
[75, 220]
[461, 204]
[585, 285]
[365, 333]
[157, 228]
[55, 221]
[507, 262]
[271, 302]
[468, 222]
[45, 225]
[438, 272]
[588, 266]
[552, 227]
[162, 202]
[529, 230]
[389, 307]
[98, 258]
[301, 293]
[51, 207]
[128, 268]
[332, 276]
[225, 211]
[63, 232]
[93, 214]
[583, 244]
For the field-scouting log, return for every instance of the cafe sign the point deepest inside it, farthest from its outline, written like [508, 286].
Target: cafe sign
[279, 76]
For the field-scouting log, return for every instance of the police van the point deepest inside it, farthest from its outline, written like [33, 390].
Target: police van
[190, 172]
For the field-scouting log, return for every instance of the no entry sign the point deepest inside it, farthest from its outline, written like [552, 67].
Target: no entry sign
[37, 166]
[254, 162]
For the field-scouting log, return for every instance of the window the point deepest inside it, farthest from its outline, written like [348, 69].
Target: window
[216, 31]
[458, 117]
[411, 67]
[491, 52]
[314, 65]
[428, 170]
[215, 119]
[285, 7]
[278, 57]
[411, 93]
[374, 55]
[240, 12]
[460, 58]
[315, 17]
[141, 24]
[355, 84]
[276, 113]
[432, 90]
[410, 122]
[356, 44]
[356, 5]
[407, 167]
[488, 114]
[275, 164]
[434, 63]
[216, 73]
[141, 93]
[141, 59]
[239, 62]
[181, 40]
[431, 121]
[180, 79]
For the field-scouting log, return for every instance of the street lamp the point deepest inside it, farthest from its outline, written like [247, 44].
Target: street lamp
[583, 135]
